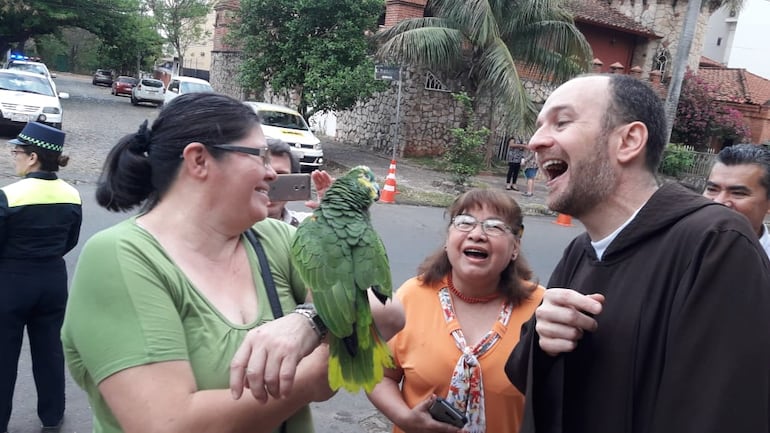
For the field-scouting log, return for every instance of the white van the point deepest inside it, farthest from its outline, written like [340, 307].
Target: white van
[285, 124]
[181, 85]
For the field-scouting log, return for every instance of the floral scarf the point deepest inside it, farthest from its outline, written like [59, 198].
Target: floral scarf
[466, 388]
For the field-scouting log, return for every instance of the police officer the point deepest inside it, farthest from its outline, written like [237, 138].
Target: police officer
[40, 218]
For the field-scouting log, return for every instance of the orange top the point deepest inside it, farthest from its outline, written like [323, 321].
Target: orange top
[427, 353]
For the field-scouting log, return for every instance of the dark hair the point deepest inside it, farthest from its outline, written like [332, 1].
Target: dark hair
[514, 278]
[50, 160]
[142, 166]
[740, 154]
[633, 100]
[281, 148]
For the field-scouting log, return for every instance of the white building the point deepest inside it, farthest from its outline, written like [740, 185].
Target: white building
[740, 40]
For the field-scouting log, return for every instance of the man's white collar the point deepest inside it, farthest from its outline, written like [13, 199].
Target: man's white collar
[764, 240]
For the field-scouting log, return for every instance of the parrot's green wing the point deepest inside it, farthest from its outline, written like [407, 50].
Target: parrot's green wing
[372, 268]
[325, 263]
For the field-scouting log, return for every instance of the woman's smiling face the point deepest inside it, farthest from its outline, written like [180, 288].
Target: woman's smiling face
[477, 256]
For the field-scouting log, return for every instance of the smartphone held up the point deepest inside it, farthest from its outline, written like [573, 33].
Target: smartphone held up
[290, 187]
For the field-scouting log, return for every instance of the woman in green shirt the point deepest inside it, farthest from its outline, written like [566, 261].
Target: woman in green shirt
[161, 302]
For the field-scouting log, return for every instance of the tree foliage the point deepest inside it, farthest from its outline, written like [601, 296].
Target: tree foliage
[133, 44]
[487, 43]
[26, 19]
[127, 38]
[699, 116]
[182, 22]
[315, 49]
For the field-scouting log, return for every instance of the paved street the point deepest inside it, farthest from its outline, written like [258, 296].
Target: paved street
[94, 120]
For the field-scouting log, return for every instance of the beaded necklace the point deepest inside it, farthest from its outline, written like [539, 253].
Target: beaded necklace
[470, 299]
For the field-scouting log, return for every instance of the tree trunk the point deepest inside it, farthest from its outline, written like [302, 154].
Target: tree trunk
[490, 145]
[680, 63]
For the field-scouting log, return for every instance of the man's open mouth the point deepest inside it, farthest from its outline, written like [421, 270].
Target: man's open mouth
[554, 168]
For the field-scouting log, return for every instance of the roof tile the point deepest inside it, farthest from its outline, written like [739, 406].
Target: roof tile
[736, 85]
[602, 15]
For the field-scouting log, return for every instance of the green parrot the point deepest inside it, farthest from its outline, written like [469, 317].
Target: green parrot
[340, 256]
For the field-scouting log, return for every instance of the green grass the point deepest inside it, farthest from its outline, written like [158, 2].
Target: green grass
[498, 168]
[406, 195]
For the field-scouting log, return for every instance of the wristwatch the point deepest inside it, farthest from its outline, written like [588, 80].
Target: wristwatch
[308, 310]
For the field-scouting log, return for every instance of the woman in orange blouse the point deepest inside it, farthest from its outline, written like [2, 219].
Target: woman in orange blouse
[463, 317]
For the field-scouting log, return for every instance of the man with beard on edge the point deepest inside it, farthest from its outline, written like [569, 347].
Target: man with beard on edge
[657, 319]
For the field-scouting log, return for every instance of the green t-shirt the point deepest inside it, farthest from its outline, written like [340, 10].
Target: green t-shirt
[130, 305]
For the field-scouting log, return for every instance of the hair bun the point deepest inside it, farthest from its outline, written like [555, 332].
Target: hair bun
[142, 138]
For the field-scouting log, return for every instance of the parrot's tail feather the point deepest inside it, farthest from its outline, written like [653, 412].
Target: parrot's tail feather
[380, 296]
[351, 343]
[365, 370]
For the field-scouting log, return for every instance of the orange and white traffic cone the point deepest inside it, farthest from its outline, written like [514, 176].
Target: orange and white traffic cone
[563, 220]
[389, 189]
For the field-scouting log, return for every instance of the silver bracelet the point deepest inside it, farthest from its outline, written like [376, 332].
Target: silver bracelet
[308, 310]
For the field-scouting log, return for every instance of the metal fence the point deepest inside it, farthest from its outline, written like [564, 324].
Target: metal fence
[702, 162]
[695, 176]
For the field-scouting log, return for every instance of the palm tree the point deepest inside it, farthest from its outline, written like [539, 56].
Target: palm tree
[488, 42]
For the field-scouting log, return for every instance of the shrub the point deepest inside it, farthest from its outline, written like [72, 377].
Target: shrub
[699, 116]
[677, 159]
[464, 157]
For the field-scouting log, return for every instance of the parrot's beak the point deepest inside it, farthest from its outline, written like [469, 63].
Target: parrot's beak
[377, 191]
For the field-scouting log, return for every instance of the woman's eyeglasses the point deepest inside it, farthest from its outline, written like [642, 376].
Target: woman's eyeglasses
[262, 152]
[15, 152]
[491, 226]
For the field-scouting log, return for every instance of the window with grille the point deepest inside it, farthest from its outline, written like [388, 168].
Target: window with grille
[433, 83]
[661, 59]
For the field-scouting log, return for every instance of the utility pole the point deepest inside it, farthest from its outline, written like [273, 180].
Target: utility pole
[680, 63]
[392, 73]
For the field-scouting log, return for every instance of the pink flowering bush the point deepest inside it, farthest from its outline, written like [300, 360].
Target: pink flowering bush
[699, 116]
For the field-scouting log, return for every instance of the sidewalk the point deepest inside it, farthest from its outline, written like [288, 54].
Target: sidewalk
[342, 156]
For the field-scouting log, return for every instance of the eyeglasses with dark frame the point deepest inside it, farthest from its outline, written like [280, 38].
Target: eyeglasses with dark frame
[491, 226]
[262, 152]
[15, 152]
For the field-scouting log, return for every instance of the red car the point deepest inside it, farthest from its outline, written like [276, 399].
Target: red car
[123, 85]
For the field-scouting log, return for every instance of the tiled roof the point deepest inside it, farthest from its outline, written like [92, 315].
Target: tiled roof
[736, 85]
[705, 62]
[602, 15]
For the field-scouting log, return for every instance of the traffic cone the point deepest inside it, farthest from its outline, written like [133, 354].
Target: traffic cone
[389, 189]
[563, 220]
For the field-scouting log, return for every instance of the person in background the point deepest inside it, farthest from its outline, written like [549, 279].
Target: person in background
[530, 172]
[516, 151]
[740, 180]
[169, 316]
[40, 218]
[463, 316]
[657, 319]
[284, 162]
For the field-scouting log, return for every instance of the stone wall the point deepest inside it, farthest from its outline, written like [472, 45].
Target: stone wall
[225, 67]
[427, 116]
